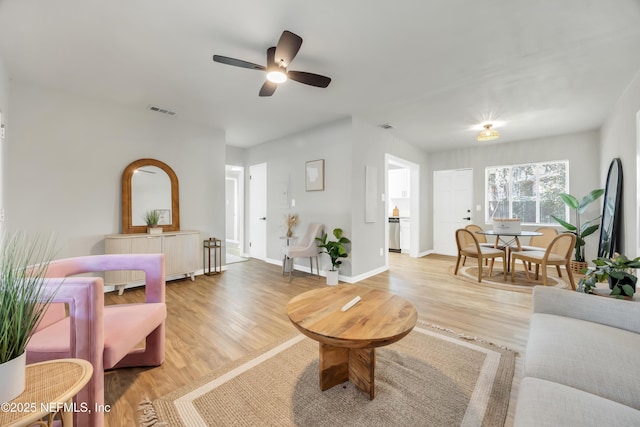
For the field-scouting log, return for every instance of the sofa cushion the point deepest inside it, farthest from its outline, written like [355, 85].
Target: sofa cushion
[588, 356]
[544, 403]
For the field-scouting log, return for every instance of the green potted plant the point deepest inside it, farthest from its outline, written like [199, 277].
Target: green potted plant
[580, 229]
[152, 218]
[24, 299]
[335, 249]
[618, 271]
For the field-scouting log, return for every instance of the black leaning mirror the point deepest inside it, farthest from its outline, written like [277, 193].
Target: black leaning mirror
[610, 226]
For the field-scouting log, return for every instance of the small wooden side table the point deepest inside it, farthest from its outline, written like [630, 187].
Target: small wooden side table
[207, 246]
[49, 389]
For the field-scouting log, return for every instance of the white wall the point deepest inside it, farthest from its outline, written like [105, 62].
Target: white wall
[347, 146]
[581, 149]
[370, 144]
[619, 135]
[235, 155]
[4, 107]
[285, 158]
[67, 153]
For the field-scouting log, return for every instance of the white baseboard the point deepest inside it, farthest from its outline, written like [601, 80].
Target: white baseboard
[363, 276]
[347, 279]
[425, 253]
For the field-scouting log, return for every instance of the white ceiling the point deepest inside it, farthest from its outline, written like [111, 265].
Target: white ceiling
[431, 68]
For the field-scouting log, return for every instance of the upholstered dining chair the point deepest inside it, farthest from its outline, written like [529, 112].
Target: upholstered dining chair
[308, 247]
[106, 336]
[558, 253]
[474, 250]
[541, 243]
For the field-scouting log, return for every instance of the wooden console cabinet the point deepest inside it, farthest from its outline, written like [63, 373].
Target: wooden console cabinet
[181, 250]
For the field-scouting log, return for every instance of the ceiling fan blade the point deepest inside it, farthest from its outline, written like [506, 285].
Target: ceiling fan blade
[237, 62]
[309, 78]
[287, 48]
[268, 88]
[271, 55]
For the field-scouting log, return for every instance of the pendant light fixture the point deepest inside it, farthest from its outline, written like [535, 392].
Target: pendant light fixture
[488, 133]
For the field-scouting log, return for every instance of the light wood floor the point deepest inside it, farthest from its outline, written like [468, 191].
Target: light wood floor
[217, 319]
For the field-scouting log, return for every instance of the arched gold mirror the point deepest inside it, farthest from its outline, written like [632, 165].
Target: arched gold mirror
[149, 184]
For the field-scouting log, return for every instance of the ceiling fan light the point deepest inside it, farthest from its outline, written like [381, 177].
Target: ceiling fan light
[276, 77]
[488, 133]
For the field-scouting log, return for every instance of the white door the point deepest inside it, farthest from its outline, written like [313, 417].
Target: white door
[258, 211]
[231, 209]
[452, 207]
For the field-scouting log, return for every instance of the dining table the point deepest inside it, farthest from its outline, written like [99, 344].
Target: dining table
[512, 238]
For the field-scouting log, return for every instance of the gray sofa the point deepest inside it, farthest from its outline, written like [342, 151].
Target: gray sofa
[582, 365]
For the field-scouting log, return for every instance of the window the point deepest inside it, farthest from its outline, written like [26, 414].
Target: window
[530, 192]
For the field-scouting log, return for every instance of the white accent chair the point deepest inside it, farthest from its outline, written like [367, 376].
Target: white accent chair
[308, 247]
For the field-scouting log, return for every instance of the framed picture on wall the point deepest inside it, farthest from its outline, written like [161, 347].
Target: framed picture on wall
[314, 175]
[164, 216]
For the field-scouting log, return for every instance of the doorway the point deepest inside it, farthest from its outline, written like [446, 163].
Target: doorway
[402, 187]
[452, 207]
[258, 211]
[234, 213]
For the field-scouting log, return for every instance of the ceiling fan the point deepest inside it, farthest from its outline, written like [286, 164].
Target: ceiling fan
[278, 59]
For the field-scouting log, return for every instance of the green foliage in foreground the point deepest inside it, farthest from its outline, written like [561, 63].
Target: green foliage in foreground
[23, 296]
[618, 270]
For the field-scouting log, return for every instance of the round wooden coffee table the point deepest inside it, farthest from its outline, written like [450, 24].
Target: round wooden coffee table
[348, 339]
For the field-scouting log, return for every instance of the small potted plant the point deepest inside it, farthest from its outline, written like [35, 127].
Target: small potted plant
[335, 250]
[152, 218]
[618, 271]
[580, 229]
[24, 298]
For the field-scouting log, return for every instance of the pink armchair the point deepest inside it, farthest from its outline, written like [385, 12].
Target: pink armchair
[106, 336]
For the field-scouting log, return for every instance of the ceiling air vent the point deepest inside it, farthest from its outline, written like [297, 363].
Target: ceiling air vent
[161, 110]
[386, 126]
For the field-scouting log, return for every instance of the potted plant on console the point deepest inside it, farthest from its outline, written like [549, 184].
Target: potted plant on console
[24, 298]
[580, 229]
[335, 250]
[152, 218]
[618, 271]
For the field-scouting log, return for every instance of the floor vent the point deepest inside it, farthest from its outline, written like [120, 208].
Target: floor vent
[161, 110]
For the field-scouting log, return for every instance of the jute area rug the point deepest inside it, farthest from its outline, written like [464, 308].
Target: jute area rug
[469, 273]
[429, 378]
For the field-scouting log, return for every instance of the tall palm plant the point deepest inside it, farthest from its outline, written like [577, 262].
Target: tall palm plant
[580, 229]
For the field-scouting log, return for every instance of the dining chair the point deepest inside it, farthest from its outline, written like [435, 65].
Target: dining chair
[474, 250]
[78, 325]
[481, 238]
[541, 243]
[558, 253]
[308, 247]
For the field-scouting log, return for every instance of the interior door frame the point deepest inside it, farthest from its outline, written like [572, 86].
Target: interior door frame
[414, 191]
[237, 173]
[258, 176]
